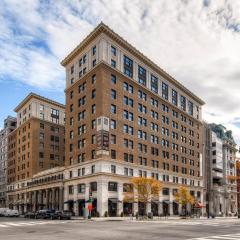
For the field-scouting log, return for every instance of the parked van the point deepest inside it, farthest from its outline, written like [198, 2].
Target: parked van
[3, 211]
[11, 213]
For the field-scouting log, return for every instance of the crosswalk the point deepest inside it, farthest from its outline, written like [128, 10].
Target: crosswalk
[29, 223]
[235, 236]
[223, 224]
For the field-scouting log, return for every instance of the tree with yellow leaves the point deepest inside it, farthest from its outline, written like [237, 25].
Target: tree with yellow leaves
[146, 189]
[184, 197]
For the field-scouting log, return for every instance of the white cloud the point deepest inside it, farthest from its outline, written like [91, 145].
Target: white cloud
[197, 43]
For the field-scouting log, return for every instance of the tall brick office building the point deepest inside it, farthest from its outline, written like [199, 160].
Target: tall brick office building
[126, 117]
[36, 145]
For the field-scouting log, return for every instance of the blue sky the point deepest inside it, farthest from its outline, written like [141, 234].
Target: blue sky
[196, 41]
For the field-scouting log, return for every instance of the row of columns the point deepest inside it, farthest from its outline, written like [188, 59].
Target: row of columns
[51, 198]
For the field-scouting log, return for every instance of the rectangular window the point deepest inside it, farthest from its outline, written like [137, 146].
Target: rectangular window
[165, 91]
[113, 63]
[113, 124]
[81, 188]
[128, 66]
[113, 79]
[142, 77]
[94, 78]
[113, 154]
[190, 108]
[113, 51]
[94, 49]
[113, 139]
[113, 169]
[113, 94]
[174, 97]
[112, 186]
[183, 103]
[154, 83]
[93, 93]
[113, 109]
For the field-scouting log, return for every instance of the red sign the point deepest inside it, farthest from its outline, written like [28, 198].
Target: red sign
[90, 207]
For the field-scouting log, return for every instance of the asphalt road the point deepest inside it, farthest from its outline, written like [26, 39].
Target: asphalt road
[22, 229]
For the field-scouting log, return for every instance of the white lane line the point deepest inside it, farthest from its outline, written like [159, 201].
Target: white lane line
[220, 237]
[3, 226]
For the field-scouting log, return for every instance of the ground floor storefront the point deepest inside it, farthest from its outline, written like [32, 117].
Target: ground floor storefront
[95, 196]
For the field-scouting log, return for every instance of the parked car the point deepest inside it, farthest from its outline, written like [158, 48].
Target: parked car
[45, 214]
[30, 215]
[62, 215]
[11, 213]
[3, 211]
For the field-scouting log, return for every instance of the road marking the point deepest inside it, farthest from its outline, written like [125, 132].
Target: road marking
[22, 224]
[1, 225]
[220, 237]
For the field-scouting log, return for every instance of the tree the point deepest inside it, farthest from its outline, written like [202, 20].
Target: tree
[145, 190]
[184, 197]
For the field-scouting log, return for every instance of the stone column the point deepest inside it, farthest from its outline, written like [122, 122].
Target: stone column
[30, 201]
[102, 197]
[57, 198]
[47, 198]
[53, 198]
[41, 199]
[120, 199]
[34, 201]
[149, 207]
[160, 208]
[60, 197]
[25, 202]
[65, 198]
[160, 205]
[75, 198]
[170, 202]
[87, 188]
[135, 203]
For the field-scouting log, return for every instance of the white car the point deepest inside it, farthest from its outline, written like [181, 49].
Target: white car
[3, 211]
[11, 213]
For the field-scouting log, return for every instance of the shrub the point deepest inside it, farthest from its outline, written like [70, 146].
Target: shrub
[106, 214]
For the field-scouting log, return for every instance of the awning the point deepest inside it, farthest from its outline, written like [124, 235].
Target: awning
[68, 201]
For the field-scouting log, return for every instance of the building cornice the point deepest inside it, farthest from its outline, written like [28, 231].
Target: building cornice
[102, 28]
[38, 97]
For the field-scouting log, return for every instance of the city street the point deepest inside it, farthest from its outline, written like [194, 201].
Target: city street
[21, 229]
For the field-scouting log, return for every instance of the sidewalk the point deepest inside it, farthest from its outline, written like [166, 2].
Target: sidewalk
[102, 219]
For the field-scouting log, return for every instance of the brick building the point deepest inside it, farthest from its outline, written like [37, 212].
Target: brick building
[126, 117]
[36, 145]
[9, 126]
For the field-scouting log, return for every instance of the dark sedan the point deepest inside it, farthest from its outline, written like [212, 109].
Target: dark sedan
[61, 215]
